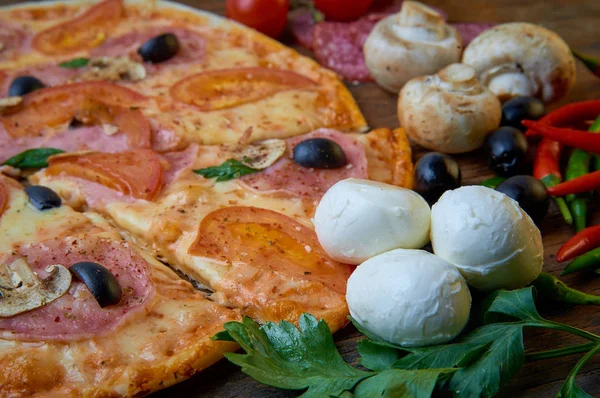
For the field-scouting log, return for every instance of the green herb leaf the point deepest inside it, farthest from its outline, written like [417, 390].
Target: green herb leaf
[32, 158]
[401, 383]
[285, 357]
[515, 303]
[497, 363]
[375, 356]
[569, 389]
[226, 171]
[222, 336]
[75, 63]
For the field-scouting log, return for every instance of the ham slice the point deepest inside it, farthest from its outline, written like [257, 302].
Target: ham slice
[92, 138]
[287, 177]
[77, 314]
[191, 49]
[49, 74]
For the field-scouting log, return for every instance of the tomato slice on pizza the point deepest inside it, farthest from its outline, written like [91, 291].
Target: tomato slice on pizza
[226, 88]
[3, 197]
[82, 33]
[265, 238]
[136, 173]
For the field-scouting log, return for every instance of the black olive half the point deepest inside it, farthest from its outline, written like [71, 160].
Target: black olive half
[435, 173]
[518, 109]
[100, 282]
[75, 124]
[42, 198]
[319, 153]
[530, 193]
[24, 85]
[506, 151]
[160, 48]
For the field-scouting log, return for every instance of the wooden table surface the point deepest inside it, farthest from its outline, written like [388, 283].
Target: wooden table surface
[578, 22]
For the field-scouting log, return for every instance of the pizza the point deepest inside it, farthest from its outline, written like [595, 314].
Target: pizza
[179, 157]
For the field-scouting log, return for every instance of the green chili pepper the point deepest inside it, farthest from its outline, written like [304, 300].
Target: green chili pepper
[589, 260]
[579, 165]
[550, 288]
[493, 182]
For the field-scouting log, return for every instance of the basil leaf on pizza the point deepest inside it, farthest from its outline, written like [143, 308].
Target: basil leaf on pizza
[75, 63]
[32, 158]
[226, 171]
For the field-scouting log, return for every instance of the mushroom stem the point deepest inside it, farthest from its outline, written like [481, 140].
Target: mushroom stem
[417, 22]
[508, 81]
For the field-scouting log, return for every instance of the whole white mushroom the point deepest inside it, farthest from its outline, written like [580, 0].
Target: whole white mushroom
[409, 297]
[488, 237]
[414, 42]
[450, 111]
[522, 59]
[358, 219]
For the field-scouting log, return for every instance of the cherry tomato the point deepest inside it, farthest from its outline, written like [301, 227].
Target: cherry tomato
[343, 10]
[266, 16]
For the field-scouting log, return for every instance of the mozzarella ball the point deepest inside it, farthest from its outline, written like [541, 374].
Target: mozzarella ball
[409, 297]
[488, 237]
[358, 219]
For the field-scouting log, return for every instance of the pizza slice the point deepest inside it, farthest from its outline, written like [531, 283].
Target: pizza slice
[248, 238]
[85, 313]
[207, 78]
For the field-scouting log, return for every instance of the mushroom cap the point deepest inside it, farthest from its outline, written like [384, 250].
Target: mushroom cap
[448, 112]
[520, 58]
[414, 42]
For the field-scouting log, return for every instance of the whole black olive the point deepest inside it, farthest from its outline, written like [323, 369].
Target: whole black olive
[24, 85]
[100, 281]
[319, 153]
[518, 109]
[530, 193]
[160, 48]
[42, 198]
[506, 151]
[435, 173]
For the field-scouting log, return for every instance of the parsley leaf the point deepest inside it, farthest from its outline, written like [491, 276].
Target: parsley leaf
[375, 356]
[569, 389]
[401, 383]
[226, 171]
[75, 63]
[32, 158]
[285, 357]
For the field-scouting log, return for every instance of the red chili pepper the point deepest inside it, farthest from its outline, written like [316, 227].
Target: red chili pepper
[576, 138]
[586, 183]
[572, 114]
[546, 168]
[581, 243]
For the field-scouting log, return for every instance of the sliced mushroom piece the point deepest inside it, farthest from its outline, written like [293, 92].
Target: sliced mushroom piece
[522, 59]
[21, 290]
[9, 102]
[258, 155]
[113, 69]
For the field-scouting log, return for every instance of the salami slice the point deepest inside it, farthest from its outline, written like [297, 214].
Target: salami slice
[287, 176]
[335, 46]
[469, 31]
[302, 26]
[77, 314]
